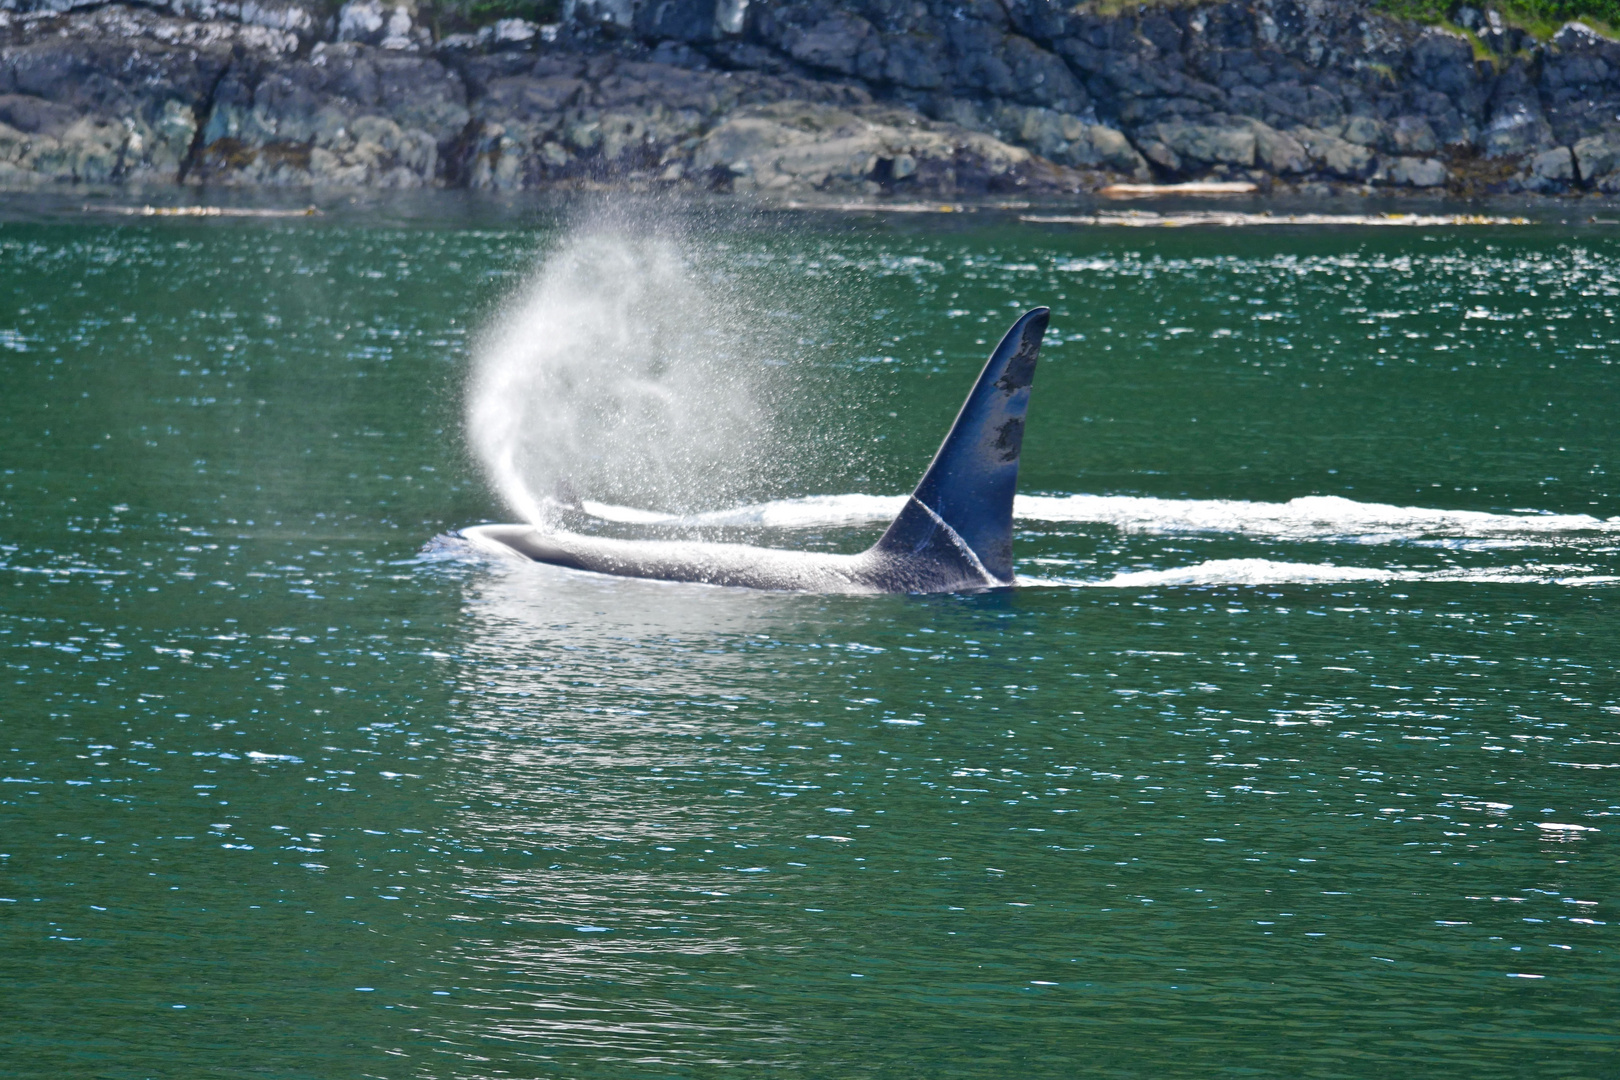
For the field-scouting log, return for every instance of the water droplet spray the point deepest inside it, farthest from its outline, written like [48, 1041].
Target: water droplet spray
[626, 368]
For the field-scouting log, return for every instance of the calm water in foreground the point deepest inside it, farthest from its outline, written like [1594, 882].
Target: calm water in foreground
[1232, 786]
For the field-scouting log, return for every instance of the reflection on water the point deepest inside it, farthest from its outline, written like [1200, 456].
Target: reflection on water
[581, 691]
[994, 793]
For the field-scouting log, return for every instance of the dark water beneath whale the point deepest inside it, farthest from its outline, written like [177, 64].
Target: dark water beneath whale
[1234, 785]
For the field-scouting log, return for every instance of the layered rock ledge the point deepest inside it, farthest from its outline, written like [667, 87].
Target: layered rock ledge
[852, 96]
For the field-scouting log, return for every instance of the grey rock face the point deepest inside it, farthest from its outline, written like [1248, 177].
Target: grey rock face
[1518, 129]
[560, 118]
[304, 18]
[690, 21]
[1413, 135]
[835, 43]
[1550, 171]
[1597, 157]
[1557, 165]
[347, 115]
[795, 147]
[627, 91]
[1300, 90]
[111, 95]
[1279, 152]
[1365, 131]
[1177, 144]
[1417, 173]
[1579, 88]
[388, 26]
[1336, 157]
[122, 93]
[1069, 140]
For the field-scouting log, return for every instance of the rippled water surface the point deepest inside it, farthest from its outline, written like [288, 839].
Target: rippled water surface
[1296, 752]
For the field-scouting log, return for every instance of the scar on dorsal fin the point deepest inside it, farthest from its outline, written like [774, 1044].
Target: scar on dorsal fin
[963, 505]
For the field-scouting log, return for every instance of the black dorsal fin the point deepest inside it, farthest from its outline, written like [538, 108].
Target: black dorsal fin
[967, 493]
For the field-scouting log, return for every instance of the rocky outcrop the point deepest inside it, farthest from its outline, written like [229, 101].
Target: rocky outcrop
[119, 94]
[788, 147]
[345, 114]
[564, 118]
[829, 95]
[112, 94]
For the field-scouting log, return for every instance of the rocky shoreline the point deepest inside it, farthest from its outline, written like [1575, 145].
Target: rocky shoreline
[859, 97]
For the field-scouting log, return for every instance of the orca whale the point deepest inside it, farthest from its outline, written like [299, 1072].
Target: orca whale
[954, 534]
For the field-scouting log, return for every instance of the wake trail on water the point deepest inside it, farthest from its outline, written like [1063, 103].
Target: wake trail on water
[1312, 517]
[1274, 572]
[1316, 518]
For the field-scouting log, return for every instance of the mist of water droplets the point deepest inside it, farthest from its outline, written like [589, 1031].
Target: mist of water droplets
[624, 369]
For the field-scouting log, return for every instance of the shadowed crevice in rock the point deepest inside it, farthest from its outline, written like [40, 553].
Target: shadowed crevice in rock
[205, 109]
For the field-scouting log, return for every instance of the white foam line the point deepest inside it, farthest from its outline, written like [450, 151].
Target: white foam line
[1307, 517]
[1311, 517]
[813, 511]
[1271, 572]
[628, 514]
[1214, 572]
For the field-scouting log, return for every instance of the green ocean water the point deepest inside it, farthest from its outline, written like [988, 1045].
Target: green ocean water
[293, 784]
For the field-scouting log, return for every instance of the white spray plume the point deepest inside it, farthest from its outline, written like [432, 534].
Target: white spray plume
[624, 370]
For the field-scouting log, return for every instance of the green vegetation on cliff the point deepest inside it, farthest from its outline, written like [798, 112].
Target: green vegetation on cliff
[453, 15]
[1538, 18]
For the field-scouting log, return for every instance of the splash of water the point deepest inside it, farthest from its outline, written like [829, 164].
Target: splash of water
[624, 370]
